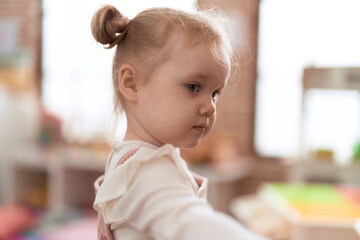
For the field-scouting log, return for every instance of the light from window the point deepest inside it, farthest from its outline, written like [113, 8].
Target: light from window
[293, 35]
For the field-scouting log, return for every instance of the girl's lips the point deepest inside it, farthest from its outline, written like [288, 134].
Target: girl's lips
[199, 129]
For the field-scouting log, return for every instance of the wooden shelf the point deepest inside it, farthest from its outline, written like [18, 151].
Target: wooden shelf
[57, 180]
[347, 78]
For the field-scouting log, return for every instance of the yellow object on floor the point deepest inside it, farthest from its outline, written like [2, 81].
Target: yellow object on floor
[302, 211]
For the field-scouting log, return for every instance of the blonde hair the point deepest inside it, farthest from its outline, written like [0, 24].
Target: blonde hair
[143, 40]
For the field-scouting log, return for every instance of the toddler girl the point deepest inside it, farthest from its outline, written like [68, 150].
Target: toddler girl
[168, 70]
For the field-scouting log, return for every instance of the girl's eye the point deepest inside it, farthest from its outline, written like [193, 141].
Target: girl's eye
[193, 87]
[214, 94]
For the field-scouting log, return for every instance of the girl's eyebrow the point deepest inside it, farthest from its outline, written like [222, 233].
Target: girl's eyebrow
[198, 75]
[201, 78]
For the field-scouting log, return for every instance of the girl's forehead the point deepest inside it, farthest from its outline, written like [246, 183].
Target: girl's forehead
[181, 48]
[208, 54]
[199, 62]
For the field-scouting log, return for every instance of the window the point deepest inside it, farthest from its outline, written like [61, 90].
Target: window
[293, 35]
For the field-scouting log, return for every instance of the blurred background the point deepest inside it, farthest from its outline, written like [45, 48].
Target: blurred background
[283, 158]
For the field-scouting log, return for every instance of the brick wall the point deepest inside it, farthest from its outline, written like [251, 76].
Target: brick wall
[236, 109]
[27, 15]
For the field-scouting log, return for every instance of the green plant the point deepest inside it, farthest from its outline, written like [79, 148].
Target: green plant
[356, 152]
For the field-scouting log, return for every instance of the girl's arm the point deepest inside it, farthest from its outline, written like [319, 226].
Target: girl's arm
[160, 203]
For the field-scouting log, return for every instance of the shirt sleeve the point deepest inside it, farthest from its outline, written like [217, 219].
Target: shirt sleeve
[160, 202]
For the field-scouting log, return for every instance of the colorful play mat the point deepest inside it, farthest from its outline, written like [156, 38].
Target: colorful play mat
[315, 203]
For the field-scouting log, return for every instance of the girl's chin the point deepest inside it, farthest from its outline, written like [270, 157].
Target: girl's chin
[189, 144]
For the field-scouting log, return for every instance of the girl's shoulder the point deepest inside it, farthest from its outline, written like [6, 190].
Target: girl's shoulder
[129, 156]
[139, 151]
[118, 179]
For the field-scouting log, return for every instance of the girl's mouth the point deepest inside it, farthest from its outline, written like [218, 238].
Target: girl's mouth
[199, 129]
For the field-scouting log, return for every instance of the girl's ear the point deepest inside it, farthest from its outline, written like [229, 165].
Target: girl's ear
[128, 82]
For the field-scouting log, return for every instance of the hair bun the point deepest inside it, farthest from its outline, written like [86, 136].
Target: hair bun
[108, 26]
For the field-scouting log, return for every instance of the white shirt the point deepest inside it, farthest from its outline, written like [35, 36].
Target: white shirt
[153, 195]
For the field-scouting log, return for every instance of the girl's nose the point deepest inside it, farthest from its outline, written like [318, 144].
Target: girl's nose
[207, 108]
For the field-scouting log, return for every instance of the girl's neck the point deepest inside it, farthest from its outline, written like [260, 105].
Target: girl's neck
[131, 135]
[132, 141]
